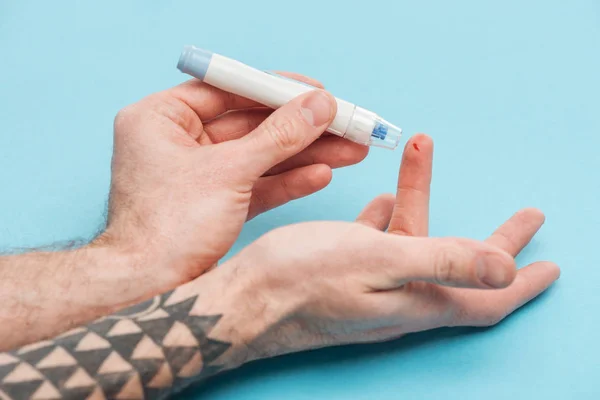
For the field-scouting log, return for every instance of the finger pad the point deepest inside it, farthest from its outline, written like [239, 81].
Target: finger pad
[317, 176]
[418, 153]
[421, 142]
[534, 215]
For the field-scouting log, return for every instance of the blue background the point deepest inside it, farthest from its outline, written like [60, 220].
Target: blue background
[509, 90]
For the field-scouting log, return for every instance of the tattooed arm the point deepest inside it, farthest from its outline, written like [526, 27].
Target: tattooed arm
[45, 293]
[144, 352]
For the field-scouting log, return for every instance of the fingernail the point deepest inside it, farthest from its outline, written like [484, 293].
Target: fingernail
[491, 271]
[316, 108]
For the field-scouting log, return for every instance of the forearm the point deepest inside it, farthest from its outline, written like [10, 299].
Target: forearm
[46, 293]
[146, 352]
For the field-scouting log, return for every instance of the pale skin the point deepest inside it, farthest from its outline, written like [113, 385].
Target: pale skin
[299, 287]
[191, 164]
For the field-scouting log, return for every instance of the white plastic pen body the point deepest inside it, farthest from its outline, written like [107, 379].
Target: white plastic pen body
[351, 122]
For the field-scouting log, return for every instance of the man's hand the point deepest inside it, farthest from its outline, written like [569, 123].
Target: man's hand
[327, 283]
[190, 166]
[296, 288]
[193, 163]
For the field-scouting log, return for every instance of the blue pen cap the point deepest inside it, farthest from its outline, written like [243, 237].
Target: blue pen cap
[194, 61]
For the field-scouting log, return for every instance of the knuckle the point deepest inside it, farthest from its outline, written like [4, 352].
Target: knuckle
[412, 188]
[282, 131]
[174, 109]
[443, 270]
[509, 240]
[286, 190]
[125, 117]
[153, 108]
[446, 267]
[260, 202]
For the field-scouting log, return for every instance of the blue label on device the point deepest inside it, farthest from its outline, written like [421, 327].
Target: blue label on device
[380, 131]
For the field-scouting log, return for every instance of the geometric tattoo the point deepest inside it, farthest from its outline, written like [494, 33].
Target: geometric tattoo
[148, 351]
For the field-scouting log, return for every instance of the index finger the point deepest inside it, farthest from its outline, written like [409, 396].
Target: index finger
[411, 212]
[208, 102]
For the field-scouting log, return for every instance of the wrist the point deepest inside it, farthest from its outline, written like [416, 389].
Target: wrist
[243, 314]
[109, 278]
[139, 261]
[152, 256]
[69, 288]
[251, 311]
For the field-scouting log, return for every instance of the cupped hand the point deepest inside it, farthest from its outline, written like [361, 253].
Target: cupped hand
[328, 283]
[193, 163]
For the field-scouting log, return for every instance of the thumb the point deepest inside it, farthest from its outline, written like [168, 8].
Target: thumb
[286, 132]
[455, 262]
